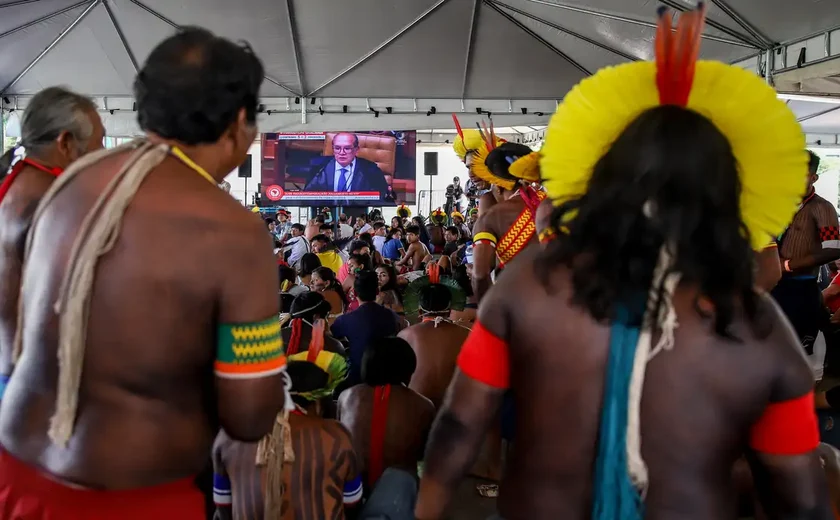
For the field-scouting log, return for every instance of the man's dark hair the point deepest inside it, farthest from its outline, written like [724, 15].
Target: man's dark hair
[309, 306]
[454, 230]
[388, 361]
[358, 245]
[499, 160]
[813, 162]
[367, 238]
[269, 221]
[676, 166]
[321, 238]
[194, 84]
[325, 227]
[366, 286]
[286, 273]
[378, 225]
[413, 229]
[342, 218]
[305, 377]
[299, 227]
[435, 299]
[309, 262]
[320, 218]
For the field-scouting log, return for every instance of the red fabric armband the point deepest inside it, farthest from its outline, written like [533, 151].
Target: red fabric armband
[484, 357]
[787, 428]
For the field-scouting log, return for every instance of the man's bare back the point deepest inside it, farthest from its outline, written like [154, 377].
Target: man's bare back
[436, 348]
[410, 416]
[147, 402]
[314, 482]
[16, 212]
[705, 393]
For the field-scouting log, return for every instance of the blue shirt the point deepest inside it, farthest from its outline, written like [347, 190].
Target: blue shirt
[391, 249]
[369, 322]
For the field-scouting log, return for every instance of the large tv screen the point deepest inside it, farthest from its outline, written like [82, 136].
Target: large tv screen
[339, 168]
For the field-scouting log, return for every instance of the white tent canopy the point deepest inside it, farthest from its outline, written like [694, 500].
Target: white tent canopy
[335, 64]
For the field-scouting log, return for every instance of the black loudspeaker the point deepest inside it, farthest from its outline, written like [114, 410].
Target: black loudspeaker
[431, 163]
[245, 168]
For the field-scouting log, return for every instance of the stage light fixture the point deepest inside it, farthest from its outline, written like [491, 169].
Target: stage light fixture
[524, 110]
[428, 113]
[297, 101]
[7, 100]
[261, 108]
[433, 110]
[134, 107]
[376, 113]
[344, 109]
[539, 114]
[478, 110]
[269, 112]
[321, 110]
[389, 109]
[312, 101]
[111, 111]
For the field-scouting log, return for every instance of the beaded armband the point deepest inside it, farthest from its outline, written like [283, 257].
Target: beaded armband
[249, 350]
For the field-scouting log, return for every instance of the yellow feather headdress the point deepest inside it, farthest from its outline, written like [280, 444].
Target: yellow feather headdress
[766, 139]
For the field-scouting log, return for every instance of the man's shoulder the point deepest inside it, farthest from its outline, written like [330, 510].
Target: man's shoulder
[822, 203]
[364, 164]
[339, 431]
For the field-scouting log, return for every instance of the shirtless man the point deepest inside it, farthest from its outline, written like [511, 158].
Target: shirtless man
[58, 127]
[811, 241]
[435, 228]
[133, 405]
[388, 421]
[417, 251]
[730, 378]
[507, 228]
[297, 331]
[436, 341]
[322, 481]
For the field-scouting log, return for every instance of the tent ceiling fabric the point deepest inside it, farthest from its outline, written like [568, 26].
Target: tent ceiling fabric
[473, 50]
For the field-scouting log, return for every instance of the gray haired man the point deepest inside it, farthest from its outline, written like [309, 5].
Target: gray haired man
[58, 127]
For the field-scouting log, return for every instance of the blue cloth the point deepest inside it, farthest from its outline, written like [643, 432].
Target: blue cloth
[369, 322]
[4, 382]
[614, 495]
[221, 490]
[391, 249]
[353, 491]
[393, 498]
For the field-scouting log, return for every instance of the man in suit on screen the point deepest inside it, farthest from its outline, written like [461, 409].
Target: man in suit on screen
[346, 172]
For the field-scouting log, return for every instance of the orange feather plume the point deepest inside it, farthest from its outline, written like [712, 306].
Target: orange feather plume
[676, 54]
[316, 344]
[434, 273]
[458, 126]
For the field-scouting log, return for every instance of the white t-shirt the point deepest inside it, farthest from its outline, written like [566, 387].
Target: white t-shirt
[345, 231]
[379, 243]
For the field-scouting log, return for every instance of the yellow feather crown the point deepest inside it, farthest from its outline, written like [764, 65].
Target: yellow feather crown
[766, 138]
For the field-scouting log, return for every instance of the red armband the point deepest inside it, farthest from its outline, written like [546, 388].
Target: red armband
[787, 428]
[484, 357]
